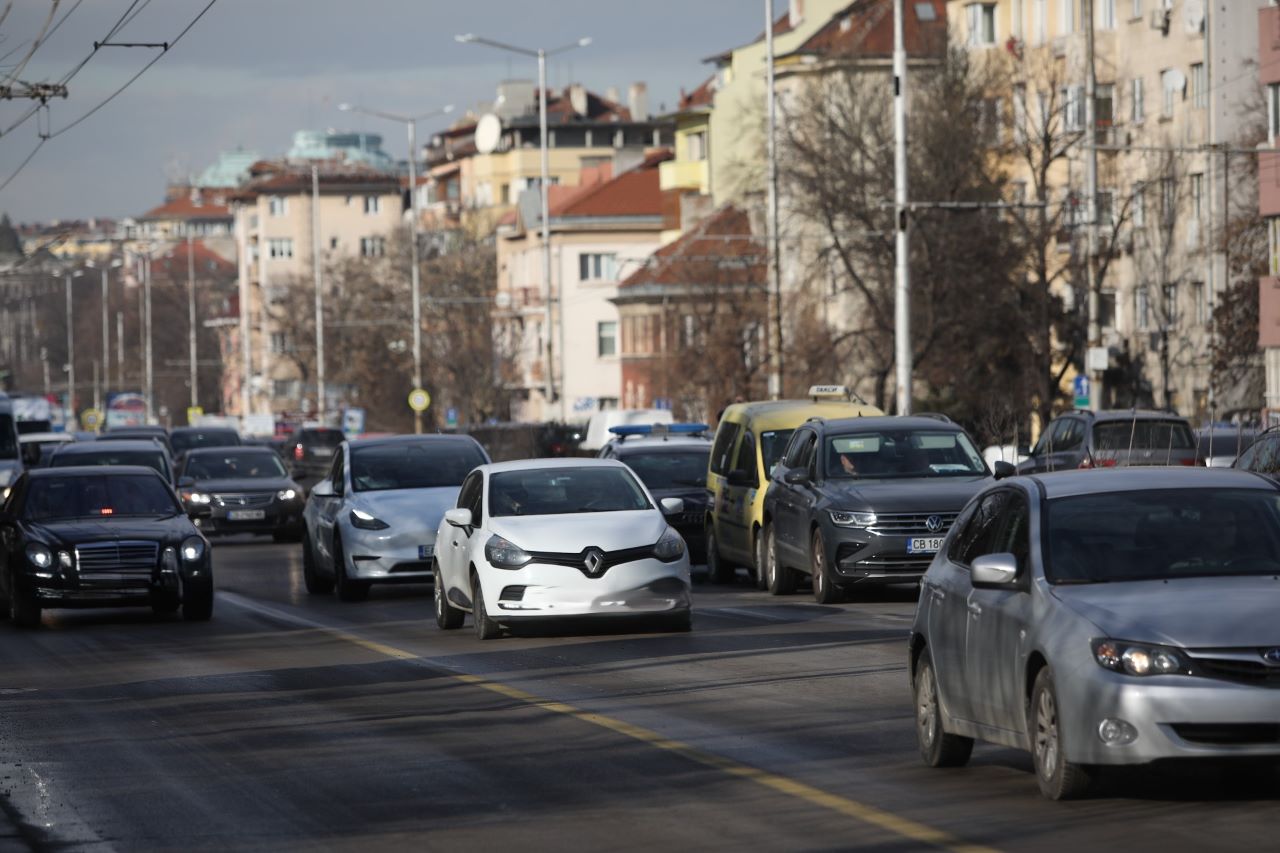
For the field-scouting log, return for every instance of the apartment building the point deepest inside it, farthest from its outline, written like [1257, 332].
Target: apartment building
[1269, 207]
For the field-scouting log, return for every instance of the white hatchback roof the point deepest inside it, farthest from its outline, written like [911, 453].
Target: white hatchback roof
[538, 464]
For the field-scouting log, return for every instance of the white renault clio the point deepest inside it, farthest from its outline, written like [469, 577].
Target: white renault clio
[551, 538]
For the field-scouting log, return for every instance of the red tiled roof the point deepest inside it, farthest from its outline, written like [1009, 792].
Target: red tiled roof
[699, 97]
[291, 177]
[633, 193]
[206, 260]
[780, 26]
[865, 28]
[185, 208]
[723, 236]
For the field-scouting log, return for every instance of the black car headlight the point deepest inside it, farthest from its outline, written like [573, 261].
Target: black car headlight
[503, 554]
[848, 518]
[365, 521]
[39, 555]
[1139, 659]
[192, 549]
[670, 547]
[287, 494]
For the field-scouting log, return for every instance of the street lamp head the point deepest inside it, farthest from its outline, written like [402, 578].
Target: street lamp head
[465, 38]
[584, 41]
[344, 107]
[447, 108]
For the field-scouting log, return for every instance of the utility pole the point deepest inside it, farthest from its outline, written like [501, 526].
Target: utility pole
[106, 339]
[119, 350]
[901, 272]
[71, 353]
[315, 264]
[1093, 331]
[191, 320]
[774, 301]
[147, 368]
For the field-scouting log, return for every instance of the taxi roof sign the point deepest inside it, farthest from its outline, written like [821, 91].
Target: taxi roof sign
[840, 391]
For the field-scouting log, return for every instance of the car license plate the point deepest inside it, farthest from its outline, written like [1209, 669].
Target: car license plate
[322, 451]
[426, 552]
[246, 514]
[926, 545]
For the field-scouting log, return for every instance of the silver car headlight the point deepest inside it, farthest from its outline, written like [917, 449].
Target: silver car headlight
[670, 547]
[1139, 658]
[503, 554]
[841, 518]
[366, 521]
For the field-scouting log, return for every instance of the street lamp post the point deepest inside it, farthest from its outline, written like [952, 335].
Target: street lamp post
[541, 55]
[71, 344]
[411, 124]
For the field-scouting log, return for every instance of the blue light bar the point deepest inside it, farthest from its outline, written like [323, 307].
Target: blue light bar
[658, 429]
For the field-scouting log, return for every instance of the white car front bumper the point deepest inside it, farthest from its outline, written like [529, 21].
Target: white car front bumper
[641, 587]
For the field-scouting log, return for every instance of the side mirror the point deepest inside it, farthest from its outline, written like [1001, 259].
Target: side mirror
[323, 489]
[196, 511]
[796, 476]
[186, 482]
[672, 506]
[740, 477]
[1004, 469]
[994, 571]
[458, 517]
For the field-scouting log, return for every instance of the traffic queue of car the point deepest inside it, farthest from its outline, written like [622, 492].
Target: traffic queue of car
[1108, 601]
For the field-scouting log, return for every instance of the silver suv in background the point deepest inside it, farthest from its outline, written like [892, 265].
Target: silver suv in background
[1111, 439]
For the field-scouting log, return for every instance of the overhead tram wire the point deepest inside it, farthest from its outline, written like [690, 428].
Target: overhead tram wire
[35, 45]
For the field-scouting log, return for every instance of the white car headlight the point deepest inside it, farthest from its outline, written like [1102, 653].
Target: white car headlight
[670, 547]
[200, 498]
[366, 521]
[502, 554]
[1139, 658]
[286, 494]
[192, 549]
[39, 555]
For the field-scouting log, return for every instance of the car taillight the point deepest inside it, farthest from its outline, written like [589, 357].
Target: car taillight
[1188, 462]
[297, 452]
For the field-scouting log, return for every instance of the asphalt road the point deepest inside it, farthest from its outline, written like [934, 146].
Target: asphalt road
[291, 722]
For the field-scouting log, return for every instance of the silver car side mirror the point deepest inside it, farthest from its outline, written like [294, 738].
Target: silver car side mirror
[672, 506]
[458, 517]
[994, 570]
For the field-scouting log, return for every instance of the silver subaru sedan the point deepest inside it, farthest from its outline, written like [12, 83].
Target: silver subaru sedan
[1102, 618]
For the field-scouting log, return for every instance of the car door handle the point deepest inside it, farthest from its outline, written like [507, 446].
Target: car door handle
[975, 609]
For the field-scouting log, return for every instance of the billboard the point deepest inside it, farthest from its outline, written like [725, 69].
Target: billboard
[126, 408]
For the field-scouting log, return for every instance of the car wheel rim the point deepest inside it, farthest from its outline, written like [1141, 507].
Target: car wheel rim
[1047, 735]
[927, 709]
[819, 572]
[438, 597]
[770, 562]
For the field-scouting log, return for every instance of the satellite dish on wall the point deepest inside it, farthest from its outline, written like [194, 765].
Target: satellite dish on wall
[488, 133]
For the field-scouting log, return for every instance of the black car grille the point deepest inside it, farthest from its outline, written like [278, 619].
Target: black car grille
[129, 562]
[608, 559]
[913, 523]
[890, 563]
[1239, 670]
[1237, 734]
[236, 500]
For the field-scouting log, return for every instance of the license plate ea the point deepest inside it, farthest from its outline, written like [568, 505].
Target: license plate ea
[246, 514]
[322, 451]
[924, 545]
[426, 552]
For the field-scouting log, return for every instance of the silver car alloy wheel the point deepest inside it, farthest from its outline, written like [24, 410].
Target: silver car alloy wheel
[927, 708]
[438, 595]
[1046, 735]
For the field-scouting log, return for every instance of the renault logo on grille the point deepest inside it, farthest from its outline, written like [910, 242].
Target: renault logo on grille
[594, 561]
[1272, 656]
[933, 523]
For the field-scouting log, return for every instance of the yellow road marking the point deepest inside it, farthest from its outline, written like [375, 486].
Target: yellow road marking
[888, 821]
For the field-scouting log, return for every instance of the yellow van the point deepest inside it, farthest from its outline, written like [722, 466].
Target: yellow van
[749, 441]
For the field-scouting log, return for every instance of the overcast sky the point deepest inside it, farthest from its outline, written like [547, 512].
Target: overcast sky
[251, 72]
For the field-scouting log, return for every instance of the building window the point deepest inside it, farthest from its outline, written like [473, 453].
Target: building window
[1170, 312]
[697, 145]
[1015, 20]
[1136, 13]
[1104, 112]
[1201, 306]
[372, 204]
[1199, 86]
[372, 247]
[1168, 200]
[1139, 106]
[333, 242]
[277, 205]
[1139, 213]
[1105, 203]
[1072, 108]
[280, 248]
[1170, 83]
[280, 343]
[1107, 309]
[596, 266]
[1273, 245]
[1066, 17]
[1273, 112]
[1143, 309]
[1040, 20]
[1197, 194]
[1020, 113]
[607, 338]
[1107, 14]
[982, 24]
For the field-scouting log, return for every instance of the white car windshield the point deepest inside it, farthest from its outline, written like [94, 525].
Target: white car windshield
[560, 491]
[1162, 535]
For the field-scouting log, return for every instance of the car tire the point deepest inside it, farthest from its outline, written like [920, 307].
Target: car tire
[315, 584]
[448, 617]
[1058, 778]
[719, 570]
[757, 551]
[25, 609]
[197, 602]
[348, 588]
[825, 589]
[778, 578]
[937, 747]
[486, 628]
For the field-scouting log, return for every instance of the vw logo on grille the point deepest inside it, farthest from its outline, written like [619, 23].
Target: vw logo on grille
[593, 560]
[1272, 656]
[933, 523]
[243, 501]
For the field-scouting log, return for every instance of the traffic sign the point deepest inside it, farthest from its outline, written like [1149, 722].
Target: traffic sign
[91, 418]
[451, 417]
[419, 399]
[1080, 388]
[194, 413]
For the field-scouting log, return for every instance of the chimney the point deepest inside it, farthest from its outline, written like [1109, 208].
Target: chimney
[638, 100]
[796, 13]
[578, 98]
[611, 94]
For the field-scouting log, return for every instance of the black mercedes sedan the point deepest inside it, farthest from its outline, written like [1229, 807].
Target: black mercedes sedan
[100, 537]
[862, 501]
[246, 490]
